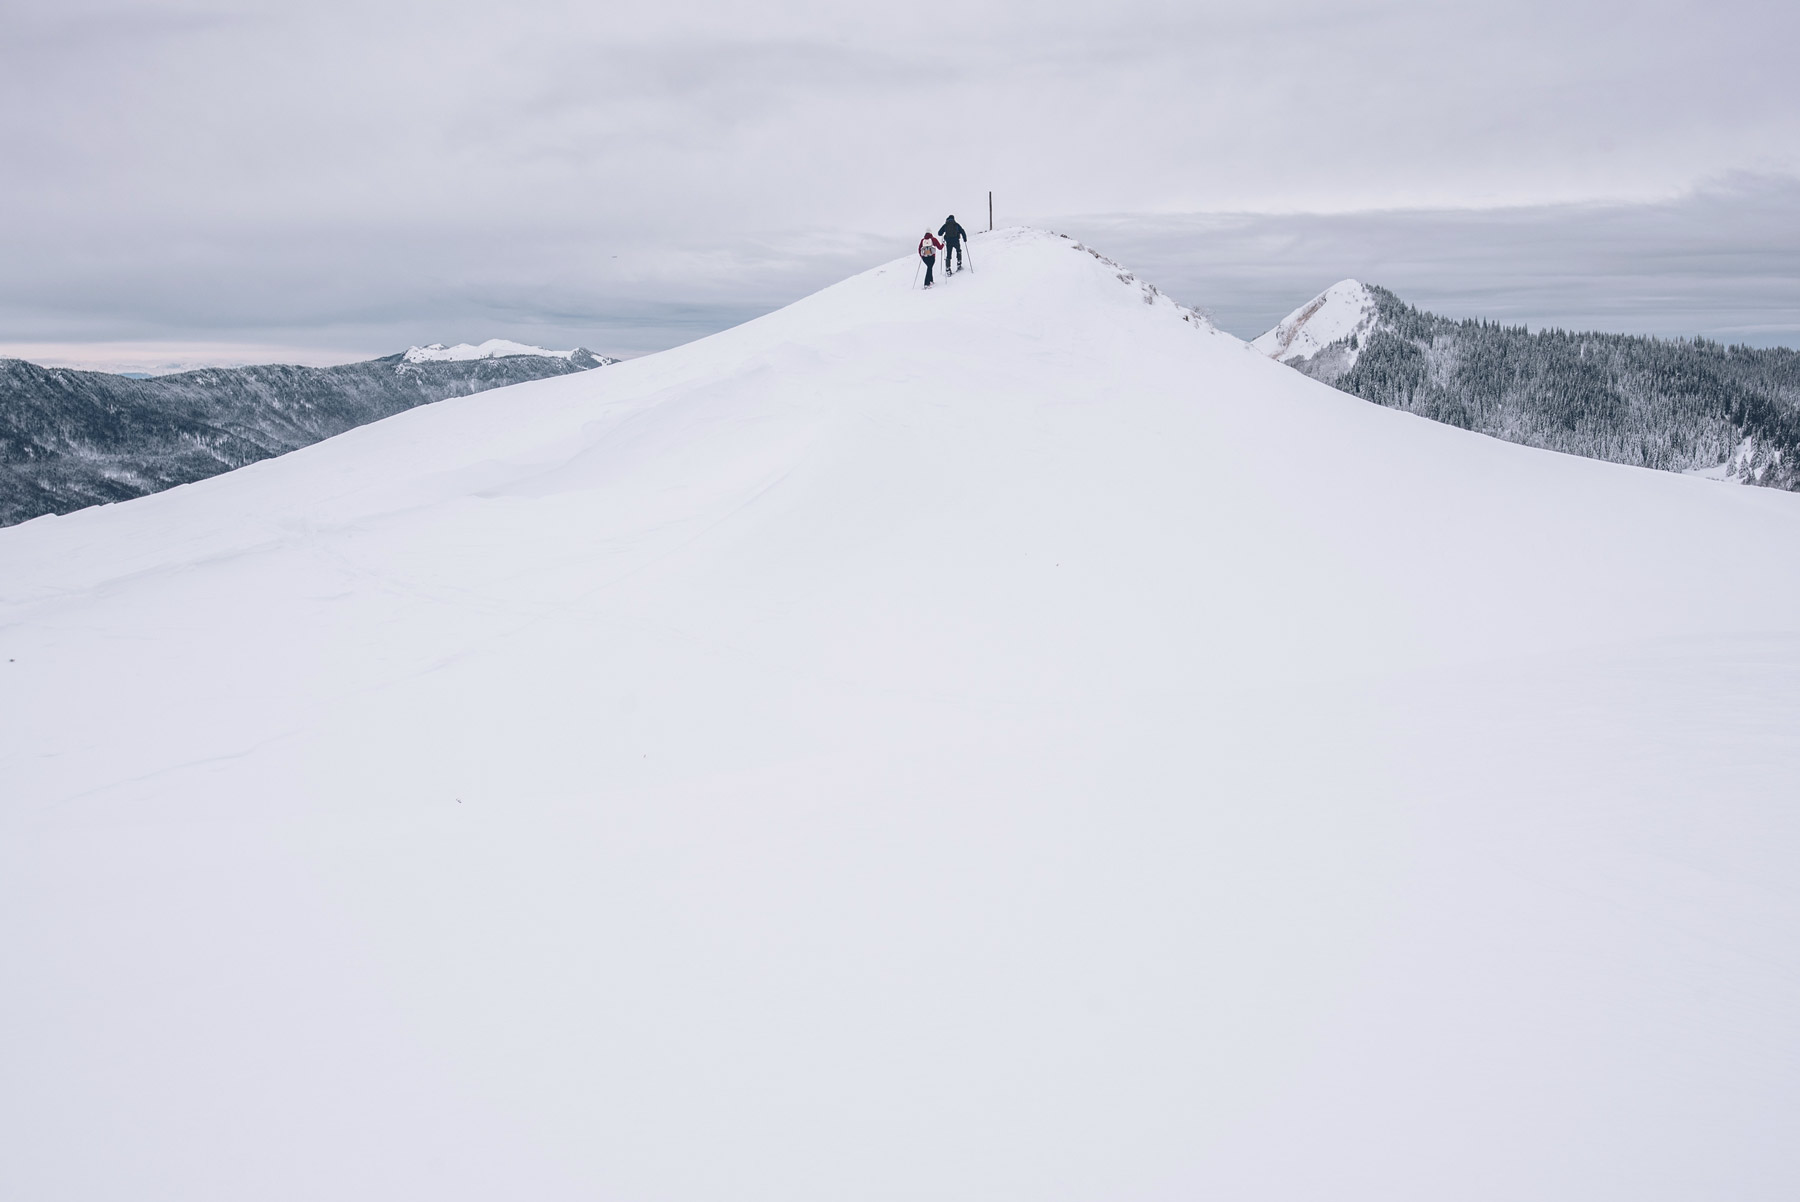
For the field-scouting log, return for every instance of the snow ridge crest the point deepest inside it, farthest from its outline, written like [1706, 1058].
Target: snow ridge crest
[1151, 293]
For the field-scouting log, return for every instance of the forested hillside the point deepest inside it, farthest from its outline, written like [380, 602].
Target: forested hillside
[1673, 405]
[69, 439]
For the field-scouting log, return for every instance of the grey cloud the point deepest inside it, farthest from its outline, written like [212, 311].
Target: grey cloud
[381, 289]
[246, 168]
[34, 31]
[1723, 262]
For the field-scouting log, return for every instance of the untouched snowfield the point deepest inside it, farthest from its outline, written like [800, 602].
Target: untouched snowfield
[1004, 742]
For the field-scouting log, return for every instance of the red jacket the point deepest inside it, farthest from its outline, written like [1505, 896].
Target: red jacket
[929, 246]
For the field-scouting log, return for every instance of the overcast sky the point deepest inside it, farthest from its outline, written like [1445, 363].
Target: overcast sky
[334, 179]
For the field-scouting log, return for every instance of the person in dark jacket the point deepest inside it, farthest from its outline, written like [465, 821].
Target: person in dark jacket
[953, 235]
[928, 249]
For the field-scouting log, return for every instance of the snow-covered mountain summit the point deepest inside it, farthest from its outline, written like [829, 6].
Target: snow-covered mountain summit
[1338, 320]
[1011, 740]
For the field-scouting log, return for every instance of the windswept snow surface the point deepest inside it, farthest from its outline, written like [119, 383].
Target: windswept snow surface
[493, 348]
[1341, 311]
[1010, 741]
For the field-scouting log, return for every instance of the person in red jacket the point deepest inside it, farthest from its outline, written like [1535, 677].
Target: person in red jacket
[928, 249]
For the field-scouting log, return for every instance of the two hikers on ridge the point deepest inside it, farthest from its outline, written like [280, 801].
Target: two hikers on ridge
[952, 235]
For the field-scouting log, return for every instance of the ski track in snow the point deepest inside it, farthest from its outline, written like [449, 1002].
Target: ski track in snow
[1007, 741]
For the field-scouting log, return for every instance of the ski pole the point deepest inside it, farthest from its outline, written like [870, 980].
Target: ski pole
[916, 267]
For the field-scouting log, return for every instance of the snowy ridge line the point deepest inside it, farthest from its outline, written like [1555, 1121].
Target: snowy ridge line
[1151, 292]
[493, 348]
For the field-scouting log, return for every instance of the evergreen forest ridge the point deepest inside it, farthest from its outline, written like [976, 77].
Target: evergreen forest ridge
[69, 439]
[1729, 412]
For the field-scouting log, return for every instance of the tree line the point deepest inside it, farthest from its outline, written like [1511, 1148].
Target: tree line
[1676, 405]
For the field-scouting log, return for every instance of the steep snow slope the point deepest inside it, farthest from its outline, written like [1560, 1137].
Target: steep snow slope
[1339, 319]
[1010, 741]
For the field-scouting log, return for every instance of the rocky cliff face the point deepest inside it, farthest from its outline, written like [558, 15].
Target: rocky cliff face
[69, 439]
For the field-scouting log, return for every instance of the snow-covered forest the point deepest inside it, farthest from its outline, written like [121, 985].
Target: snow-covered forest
[1699, 406]
[70, 439]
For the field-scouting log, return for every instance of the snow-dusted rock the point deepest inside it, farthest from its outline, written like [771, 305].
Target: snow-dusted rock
[1335, 324]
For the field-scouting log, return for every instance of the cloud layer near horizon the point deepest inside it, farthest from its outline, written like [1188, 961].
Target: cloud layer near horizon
[373, 174]
[1721, 263]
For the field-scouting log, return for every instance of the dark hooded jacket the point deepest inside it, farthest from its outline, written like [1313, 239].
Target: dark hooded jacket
[951, 232]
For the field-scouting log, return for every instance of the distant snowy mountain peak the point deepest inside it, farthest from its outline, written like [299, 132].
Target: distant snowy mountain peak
[1339, 318]
[493, 348]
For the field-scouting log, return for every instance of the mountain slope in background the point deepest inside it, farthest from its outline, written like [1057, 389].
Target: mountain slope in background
[69, 439]
[1326, 332]
[1011, 741]
[1729, 412]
